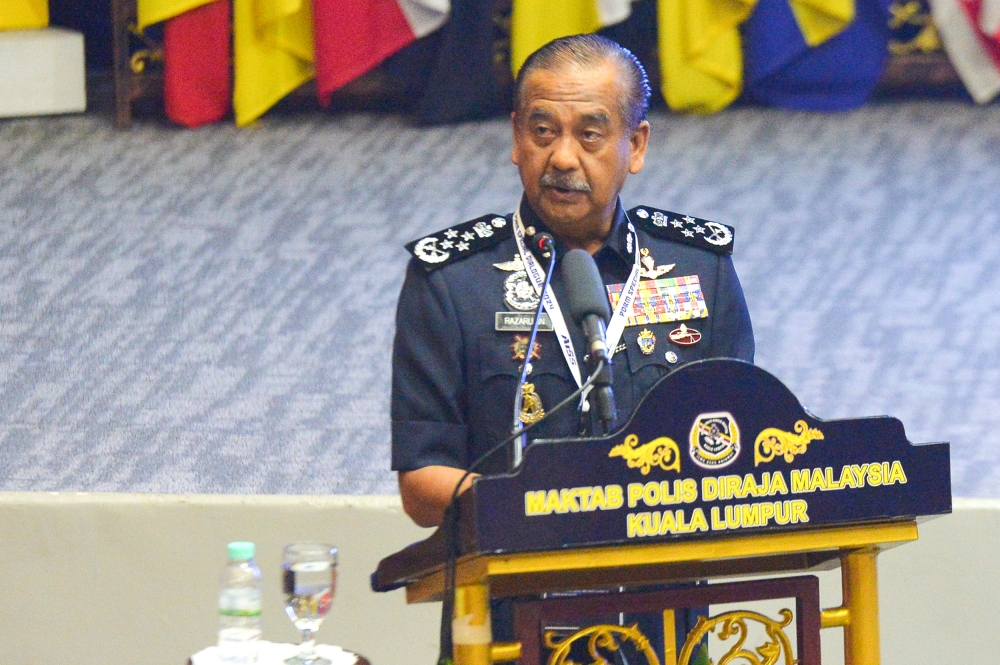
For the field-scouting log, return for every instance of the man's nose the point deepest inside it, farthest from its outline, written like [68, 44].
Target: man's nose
[565, 154]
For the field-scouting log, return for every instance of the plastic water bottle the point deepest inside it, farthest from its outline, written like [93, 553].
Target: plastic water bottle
[240, 588]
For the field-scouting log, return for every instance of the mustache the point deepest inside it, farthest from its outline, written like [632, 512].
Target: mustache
[564, 181]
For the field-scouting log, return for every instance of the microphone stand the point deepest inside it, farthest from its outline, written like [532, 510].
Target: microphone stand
[602, 397]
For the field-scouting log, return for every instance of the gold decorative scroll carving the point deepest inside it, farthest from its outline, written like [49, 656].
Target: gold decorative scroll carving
[733, 625]
[662, 452]
[602, 638]
[773, 442]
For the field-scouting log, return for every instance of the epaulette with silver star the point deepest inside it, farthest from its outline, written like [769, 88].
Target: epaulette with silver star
[689, 230]
[450, 245]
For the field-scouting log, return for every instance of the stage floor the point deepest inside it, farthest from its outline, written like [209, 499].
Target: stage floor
[212, 310]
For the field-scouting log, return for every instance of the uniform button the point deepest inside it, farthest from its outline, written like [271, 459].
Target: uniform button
[671, 357]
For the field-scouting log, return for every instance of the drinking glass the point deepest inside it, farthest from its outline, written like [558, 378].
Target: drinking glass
[309, 577]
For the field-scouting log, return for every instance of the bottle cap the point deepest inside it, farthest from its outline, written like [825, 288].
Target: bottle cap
[241, 550]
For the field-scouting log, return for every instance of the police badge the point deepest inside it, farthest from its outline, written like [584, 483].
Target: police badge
[715, 440]
[519, 294]
[646, 341]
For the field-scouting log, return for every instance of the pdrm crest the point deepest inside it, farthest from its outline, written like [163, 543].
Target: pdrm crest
[715, 440]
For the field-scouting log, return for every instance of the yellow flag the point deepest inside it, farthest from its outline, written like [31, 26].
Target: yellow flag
[701, 56]
[819, 20]
[273, 45]
[156, 11]
[535, 23]
[23, 14]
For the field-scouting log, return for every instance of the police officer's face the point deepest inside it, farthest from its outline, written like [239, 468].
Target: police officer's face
[574, 150]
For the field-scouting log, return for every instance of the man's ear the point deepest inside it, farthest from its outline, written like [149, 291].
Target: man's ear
[638, 143]
[513, 126]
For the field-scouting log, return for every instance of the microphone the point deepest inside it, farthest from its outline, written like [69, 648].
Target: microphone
[545, 244]
[588, 305]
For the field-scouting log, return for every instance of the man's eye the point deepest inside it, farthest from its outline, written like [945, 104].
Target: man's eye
[543, 131]
[591, 135]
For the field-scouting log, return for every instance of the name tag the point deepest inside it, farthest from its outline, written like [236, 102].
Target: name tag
[521, 322]
[664, 300]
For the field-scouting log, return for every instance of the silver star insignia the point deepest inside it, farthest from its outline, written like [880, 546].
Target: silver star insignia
[468, 235]
[451, 233]
[446, 244]
[462, 246]
[688, 218]
[677, 224]
[700, 229]
[687, 232]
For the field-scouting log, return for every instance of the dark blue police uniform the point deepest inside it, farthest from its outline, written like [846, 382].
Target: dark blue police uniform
[454, 373]
[455, 363]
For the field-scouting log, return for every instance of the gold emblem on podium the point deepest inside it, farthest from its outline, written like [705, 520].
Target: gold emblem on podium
[773, 442]
[662, 452]
[605, 638]
[732, 627]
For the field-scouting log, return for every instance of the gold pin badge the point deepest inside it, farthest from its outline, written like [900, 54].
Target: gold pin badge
[684, 336]
[531, 405]
[520, 347]
[646, 341]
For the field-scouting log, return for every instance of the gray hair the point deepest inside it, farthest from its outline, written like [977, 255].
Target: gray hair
[591, 51]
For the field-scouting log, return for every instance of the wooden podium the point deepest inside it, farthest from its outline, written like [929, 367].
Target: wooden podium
[720, 473]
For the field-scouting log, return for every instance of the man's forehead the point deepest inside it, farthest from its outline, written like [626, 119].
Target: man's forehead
[592, 89]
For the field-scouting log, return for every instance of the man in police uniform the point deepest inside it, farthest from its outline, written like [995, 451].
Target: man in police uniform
[467, 303]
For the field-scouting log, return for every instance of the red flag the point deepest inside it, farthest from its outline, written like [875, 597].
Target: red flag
[989, 19]
[973, 9]
[197, 80]
[975, 55]
[353, 36]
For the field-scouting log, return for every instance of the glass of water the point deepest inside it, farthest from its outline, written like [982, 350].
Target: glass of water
[309, 577]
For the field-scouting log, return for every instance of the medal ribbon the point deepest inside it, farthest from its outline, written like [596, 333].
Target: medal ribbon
[536, 275]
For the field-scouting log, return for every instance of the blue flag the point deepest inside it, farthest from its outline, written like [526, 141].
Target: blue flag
[780, 69]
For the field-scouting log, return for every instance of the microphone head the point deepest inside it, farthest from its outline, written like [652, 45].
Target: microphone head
[545, 242]
[585, 291]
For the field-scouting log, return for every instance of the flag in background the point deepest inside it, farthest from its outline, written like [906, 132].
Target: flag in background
[353, 36]
[989, 19]
[197, 86]
[24, 14]
[784, 66]
[273, 45]
[158, 11]
[534, 23]
[701, 57]
[819, 20]
[702, 49]
[459, 72]
[974, 54]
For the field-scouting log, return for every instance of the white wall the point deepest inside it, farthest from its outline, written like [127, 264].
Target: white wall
[114, 579]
